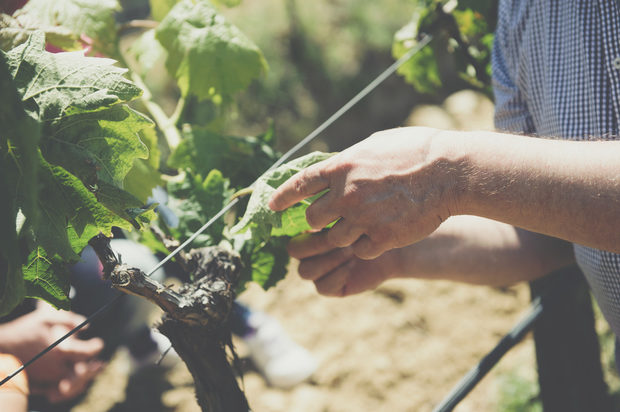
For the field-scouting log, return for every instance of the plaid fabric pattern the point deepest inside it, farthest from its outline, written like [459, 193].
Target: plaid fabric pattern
[556, 69]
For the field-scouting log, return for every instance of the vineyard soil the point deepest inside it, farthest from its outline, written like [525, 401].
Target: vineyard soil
[399, 348]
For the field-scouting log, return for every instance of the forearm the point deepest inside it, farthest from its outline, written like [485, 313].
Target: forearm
[569, 190]
[481, 251]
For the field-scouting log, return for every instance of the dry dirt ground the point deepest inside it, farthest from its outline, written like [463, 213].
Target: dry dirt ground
[399, 348]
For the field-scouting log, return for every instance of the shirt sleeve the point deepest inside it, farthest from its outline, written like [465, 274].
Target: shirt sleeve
[511, 112]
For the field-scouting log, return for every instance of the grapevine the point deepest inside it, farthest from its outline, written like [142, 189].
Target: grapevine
[81, 158]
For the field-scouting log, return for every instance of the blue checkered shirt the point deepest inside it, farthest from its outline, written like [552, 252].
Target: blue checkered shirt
[556, 70]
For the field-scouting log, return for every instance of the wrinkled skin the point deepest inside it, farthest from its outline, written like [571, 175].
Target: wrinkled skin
[382, 196]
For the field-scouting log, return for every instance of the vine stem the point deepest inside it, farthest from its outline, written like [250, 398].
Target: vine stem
[178, 111]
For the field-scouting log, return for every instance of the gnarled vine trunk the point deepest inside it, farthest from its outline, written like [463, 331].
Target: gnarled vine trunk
[195, 318]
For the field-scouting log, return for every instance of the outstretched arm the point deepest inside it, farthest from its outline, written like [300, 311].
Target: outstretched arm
[396, 187]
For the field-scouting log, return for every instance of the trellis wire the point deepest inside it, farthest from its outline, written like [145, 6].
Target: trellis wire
[471, 379]
[422, 42]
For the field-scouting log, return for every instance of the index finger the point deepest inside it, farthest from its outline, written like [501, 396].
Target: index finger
[302, 185]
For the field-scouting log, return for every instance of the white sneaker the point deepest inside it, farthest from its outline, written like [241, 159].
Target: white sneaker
[281, 361]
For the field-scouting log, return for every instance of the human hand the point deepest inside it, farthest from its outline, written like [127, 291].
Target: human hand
[388, 191]
[337, 271]
[65, 371]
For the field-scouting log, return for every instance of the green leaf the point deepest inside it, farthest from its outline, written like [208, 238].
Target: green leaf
[263, 263]
[269, 263]
[18, 183]
[194, 201]
[421, 70]
[89, 143]
[61, 84]
[125, 205]
[66, 203]
[264, 222]
[240, 159]
[18, 146]
[47, 278]
[12, 288]
[206, 54]
[98, 146]
[93, 18]
[86, 131]
[16, 30]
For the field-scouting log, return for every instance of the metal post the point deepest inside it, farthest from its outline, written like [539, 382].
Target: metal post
[567, 348]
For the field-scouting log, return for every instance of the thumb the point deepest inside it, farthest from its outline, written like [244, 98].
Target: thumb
[302, 185]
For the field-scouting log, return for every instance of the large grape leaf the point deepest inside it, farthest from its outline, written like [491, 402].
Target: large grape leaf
[89, 141]
[19, 138]
[240, 159]
[206, 54]
[65, 202]
[93, 18]
[18, 182]
[86, 130]
[61, 84]
[264, 222]
[97, 146]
